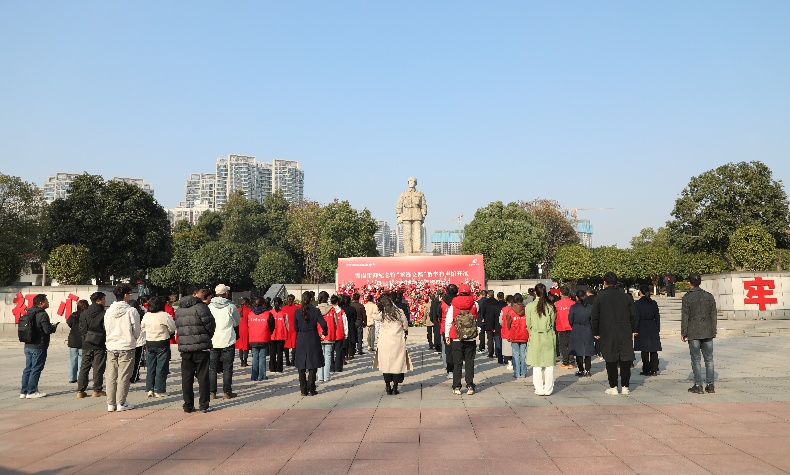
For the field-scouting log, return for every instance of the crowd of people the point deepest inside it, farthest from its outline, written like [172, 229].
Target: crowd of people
[323, 333]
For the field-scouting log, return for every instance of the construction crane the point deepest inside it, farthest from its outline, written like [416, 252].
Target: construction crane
[458, 218]
[574, 212]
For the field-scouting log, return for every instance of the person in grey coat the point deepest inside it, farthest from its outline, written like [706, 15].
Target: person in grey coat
[582, 341]
[614, 324]
[698, 327]
[648, 327]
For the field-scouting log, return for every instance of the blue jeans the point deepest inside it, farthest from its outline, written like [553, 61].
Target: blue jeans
[157, 363]
[519, 359]
[706, 348]
[259, 363]
[324, 373]
[75, 361]
[34, 365]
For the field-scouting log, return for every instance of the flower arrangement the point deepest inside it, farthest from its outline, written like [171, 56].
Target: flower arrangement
[416, 293]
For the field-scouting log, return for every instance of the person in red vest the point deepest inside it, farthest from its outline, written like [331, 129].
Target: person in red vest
[172, 312]
[260, 336]
[338, 332]
[290, 343]
[563, 328]
[243, 341]
[280, 327]
[514, 321]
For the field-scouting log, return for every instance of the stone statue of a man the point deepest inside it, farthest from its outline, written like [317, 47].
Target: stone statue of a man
[411, 210]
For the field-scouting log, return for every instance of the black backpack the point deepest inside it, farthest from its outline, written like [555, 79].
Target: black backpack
[27, 328]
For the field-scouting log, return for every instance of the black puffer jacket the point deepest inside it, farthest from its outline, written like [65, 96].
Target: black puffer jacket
[92, 319]
[75, 338]
[43, 328]
[195, 325]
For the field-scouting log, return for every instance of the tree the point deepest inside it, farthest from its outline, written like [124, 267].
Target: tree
[344, 232]
[22, 212]
[70, 264]
[612, 259]
[718, 202]
[275, 219]
[224, 262]
[210, 223]
[178, 273]
[702, 263]
[275, 265]
[125, 230]
[242, 220]
[511, 240]
[752, 248]
[557, 222]
[573, 262]
[653, 255]
[304, 231]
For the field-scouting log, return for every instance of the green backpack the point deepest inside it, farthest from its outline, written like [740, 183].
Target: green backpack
[466, 325]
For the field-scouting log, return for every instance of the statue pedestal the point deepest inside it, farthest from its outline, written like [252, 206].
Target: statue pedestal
[416, 254]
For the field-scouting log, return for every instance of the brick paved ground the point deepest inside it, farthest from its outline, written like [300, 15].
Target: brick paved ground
[353, 427]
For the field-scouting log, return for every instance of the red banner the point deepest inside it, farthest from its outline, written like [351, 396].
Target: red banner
[430, 269]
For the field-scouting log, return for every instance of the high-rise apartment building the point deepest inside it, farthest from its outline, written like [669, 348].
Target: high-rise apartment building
[447, 242]
[288, 176]
[585, 231]
[57, 186]
[383, 236]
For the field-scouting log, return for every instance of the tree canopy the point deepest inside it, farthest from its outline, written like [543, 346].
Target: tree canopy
[718, 202]
[125, 230]
[573, 262]
[344, 232]
[752, 248]
[511, 240]
[557, 222]
[70, 264]
[22, 214]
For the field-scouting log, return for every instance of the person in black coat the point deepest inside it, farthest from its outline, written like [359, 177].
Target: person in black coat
[351, 322]
[435, 314]
[648, 327]
[614, 323]
[308, 356]
[582, 342]
[482, 305]
[94, 353]
[195, 325]
[492, 326]
[75, 340]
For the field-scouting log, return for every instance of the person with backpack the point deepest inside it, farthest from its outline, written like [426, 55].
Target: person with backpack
[75, 341]
[94, 353]
[34, 330]
[542, 341]
[460, 327]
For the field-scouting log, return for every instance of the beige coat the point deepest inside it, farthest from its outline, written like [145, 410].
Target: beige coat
[391, 355]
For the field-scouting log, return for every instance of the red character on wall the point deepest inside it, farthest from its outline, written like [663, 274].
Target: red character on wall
[66, 307]
[758, 292]
[21, 304]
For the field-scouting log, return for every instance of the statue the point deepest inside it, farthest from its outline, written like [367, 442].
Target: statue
[411, 210]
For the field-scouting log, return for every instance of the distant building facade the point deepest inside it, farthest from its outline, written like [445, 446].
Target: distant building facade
[383, 238]
[585, 231]
[57, 186]
[447, 242]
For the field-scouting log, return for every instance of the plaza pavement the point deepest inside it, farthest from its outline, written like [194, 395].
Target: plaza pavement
[353, 427]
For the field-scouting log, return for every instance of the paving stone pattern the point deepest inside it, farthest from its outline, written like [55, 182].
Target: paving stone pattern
[353, 427]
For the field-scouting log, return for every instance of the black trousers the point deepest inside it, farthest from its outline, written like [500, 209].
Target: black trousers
[244, 356]
[649, 361]
[138, 361]
[482, 335]
[463, 358]
[195, 364]
[306, 380]
[490, 343]
[584, 363]
[437, 338]
[448, 356]
[564, 339]
[625, 373]
[429, 334]
[96, 359]
[390, 378]
[337, 356]
[276, 349]
[223, 356]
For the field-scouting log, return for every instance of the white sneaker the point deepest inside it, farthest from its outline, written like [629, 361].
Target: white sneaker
[160, 394]
[449, 375]
[22, 396]
[125, 407]
[36, 395]
[625, 391]
[612, 392]
[539, 393]
[110, 407]
[509, 365]
[150, 394]
[457, 391]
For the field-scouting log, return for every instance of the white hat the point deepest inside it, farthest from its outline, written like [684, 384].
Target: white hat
[221, 289]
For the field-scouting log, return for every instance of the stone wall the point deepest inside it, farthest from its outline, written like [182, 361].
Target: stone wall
[739, 295]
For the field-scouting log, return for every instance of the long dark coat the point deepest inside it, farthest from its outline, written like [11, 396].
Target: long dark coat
[308, 354]
[582, 341]
[648, 326]
[614, 320]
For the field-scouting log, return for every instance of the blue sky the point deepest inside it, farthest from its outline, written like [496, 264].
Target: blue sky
[594, 104]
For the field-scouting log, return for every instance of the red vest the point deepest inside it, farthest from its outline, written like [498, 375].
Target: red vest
[461, 302]
[290, 310]
[335, 322]
[518, 326]
[504, 332]
[444, 314]
[280, 328]
[259, 328]
[563, 307]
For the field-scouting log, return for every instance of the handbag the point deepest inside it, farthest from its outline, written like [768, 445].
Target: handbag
[94, 338]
